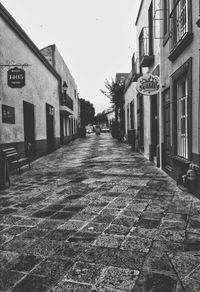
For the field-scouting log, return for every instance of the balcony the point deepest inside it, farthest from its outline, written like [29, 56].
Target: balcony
[66, 103]
[146, 57]
[180, 28]
[135, 67]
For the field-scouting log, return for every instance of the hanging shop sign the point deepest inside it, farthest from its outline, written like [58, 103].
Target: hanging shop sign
[148, 84]
[16, 77]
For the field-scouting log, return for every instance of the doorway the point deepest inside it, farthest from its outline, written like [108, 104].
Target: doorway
[50, 128]
[154, 127]
[29, 128]
[167, 131]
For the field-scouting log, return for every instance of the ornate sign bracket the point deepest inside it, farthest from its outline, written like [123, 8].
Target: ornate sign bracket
[13, 64]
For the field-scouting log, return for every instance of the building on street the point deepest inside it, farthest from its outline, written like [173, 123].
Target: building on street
[166, 123]
[68, 97]
[29, 93]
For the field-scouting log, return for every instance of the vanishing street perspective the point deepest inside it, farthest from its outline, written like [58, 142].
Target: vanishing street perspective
[100, 163]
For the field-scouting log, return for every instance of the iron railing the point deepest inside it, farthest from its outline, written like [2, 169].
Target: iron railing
[145, 46]
[135, 66]
[179, 22]
[66, 101]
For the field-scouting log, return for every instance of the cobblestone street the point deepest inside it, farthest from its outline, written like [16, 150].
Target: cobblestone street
[94, 216]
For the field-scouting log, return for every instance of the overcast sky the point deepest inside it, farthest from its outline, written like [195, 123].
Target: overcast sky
[95, 37]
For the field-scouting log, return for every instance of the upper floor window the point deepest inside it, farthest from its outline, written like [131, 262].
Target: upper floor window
[165, 18]
[181, 26]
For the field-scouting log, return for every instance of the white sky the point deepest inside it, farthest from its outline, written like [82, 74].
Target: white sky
[95, 37]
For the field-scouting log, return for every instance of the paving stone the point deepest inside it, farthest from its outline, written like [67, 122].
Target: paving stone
[34, 233]
[28, 221]
[109, 256]
[69, 250]
[32, 283]
[125, 221]
[109, 240]
[155, 282]
[148, 223]
[94, 227]
[87, 237]
[136, 243]
[62, 215]
[24, 263]
[117, 229]
[144, 232]
[104, 218]
[185, 264]
[72, 225]
[84, 272]
[8, 278]
[110, 211]
[53, 269]
[59, 234]
[117, 278]
[67, 286]
[6, 257]
[14, 230]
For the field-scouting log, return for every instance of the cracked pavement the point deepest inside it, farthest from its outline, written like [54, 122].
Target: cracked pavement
[95, 216]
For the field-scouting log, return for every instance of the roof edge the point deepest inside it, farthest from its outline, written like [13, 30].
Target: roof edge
[140, 8]
[26, 39]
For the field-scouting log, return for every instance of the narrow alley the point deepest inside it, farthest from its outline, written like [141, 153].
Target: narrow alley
[94, 216]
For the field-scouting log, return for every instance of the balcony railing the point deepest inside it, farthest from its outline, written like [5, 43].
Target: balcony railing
[180, 23]
[135, 67]
[146, 56]
[66, 101]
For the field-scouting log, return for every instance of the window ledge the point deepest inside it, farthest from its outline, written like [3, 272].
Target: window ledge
[178, 49]
[180, 160]
[198, 22]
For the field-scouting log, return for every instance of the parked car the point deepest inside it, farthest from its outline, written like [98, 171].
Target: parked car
[89, 130]
[105, 130]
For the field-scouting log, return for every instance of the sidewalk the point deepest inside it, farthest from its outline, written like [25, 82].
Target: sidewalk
[94, 216]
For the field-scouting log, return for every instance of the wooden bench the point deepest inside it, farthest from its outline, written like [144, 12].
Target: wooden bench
[14, 160]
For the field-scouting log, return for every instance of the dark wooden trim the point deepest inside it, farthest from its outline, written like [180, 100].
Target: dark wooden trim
[178, 50]
[184, 70]
[196, 158]
[167, 34]
[24, 37]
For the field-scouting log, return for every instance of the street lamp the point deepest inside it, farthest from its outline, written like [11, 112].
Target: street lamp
[65, 86]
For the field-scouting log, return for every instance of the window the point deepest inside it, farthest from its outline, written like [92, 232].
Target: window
[150, 16]
[8, 114]
[181, 27]
[182, 118]
[182, 111]
[165, 20]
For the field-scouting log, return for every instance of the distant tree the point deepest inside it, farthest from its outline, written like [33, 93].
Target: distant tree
[115, 92]
[87, 112]
[101, 118]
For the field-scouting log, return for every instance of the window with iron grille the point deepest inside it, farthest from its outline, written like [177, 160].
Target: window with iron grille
[180, 22]
[8, 114]
[182, 111]
[182, 118]
[165, 21]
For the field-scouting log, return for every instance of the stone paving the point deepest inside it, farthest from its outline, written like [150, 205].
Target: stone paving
[94, 216]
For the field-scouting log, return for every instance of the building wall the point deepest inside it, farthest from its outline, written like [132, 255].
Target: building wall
[130, 96]
[142, 22]
[52, 54]
[41, 87]
[168, 68]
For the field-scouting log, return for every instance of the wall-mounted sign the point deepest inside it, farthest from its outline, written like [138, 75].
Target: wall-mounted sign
[148, 85]
[16, 77]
